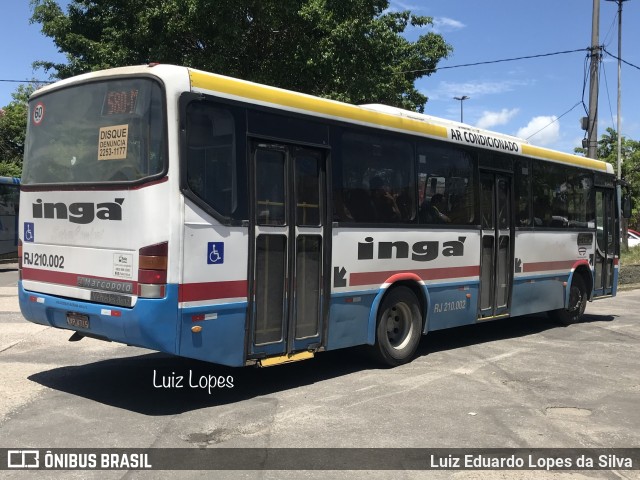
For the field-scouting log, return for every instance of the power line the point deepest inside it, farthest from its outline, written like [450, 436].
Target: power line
[488, 62]
[513, 59]
[554, 121]
[621, 59]
[585, 82]
[613, 22]
[26, 81]
[604, 74]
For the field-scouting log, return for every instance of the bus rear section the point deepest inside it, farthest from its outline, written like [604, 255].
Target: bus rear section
[95, 223]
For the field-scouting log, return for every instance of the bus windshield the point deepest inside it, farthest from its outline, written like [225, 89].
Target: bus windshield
[107, 131]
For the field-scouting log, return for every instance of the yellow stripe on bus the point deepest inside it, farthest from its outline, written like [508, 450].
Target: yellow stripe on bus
[302, 102]
[339, 110]
[563, 157]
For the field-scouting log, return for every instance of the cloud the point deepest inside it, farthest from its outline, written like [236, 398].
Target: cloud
[395, 5]
[440, 24]
[449, 90]
[416, 8]
[491, 119]
[543, 130]
[445, 24]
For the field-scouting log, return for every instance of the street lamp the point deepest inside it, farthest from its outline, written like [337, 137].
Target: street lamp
[462, 99]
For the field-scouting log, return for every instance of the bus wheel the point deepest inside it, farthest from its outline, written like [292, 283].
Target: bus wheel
[577, 303]
[399, 327]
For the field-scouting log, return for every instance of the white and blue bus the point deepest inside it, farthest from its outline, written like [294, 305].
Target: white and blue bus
[9, 207]
[236, 223]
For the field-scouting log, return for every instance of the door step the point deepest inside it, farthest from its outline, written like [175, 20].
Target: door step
[288, 358]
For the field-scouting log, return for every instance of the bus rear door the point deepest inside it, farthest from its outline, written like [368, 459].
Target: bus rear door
[496, 264]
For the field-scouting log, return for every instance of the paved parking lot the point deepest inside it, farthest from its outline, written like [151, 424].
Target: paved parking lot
[522, 382]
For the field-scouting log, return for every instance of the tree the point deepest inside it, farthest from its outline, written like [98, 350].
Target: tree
[13, 125]
[348, 50]
[630, 154]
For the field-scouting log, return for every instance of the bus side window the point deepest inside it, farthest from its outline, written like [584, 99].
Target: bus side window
[522, 187]
[211, 156]
[384, 201]
[561, 197]
[447, 186]
[376, 183]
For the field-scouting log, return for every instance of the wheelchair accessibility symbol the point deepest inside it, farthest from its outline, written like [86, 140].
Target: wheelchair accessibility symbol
[29, 232]
[215, 253]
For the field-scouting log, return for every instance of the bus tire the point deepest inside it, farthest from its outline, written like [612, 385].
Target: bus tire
[577, 303]
[398, 327]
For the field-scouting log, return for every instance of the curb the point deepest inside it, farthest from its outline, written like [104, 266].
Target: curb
[623, 287]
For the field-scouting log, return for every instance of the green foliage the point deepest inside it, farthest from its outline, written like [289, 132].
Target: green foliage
[10, 169]
[630, 256]
[630, 154]
[348, 50]
[13, 125]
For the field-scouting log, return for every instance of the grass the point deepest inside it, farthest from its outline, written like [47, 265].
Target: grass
[632, 257]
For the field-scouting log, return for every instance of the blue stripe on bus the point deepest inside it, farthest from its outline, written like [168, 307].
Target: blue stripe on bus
[528, 278]
[221, 339]
[538, 294]
[150, 324]
[353, 314]
[616, 272]
[349, 320]
[451, 307]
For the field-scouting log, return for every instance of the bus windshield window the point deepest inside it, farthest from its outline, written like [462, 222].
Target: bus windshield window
[110, 131]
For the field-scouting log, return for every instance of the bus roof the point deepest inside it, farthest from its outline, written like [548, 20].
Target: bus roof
[381, 116]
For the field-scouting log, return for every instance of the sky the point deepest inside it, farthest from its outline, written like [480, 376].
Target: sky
[521, 97]
[517, 97]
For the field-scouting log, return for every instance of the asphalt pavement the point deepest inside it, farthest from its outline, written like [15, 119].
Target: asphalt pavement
[514, 383]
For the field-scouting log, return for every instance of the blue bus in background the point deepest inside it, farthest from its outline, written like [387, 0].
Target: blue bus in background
[9, 206]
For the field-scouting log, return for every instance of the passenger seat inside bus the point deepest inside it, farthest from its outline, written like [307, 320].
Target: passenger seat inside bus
[360, 205]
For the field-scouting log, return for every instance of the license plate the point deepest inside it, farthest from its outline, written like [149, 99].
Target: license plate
[77, 320]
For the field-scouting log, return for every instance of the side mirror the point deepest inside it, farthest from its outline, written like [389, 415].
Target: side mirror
[627, 206]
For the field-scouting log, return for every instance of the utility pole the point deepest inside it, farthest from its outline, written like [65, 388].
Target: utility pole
[461, 99]
[619, 119]
[625, 226]
[592, 125]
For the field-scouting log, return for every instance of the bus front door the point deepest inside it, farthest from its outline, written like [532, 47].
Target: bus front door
[496, 264]
[606, 242]
[288, 249]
